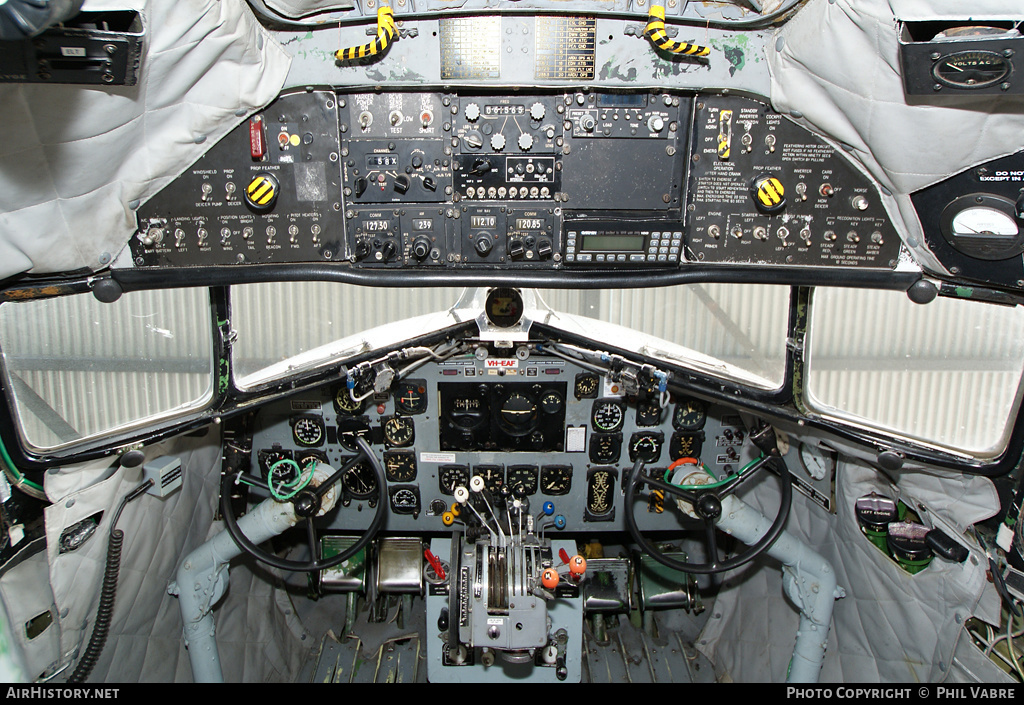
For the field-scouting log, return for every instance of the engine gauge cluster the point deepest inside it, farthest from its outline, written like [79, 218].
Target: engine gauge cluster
[543, 430]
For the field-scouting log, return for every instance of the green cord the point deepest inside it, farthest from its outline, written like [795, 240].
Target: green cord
[12, 469]
[719, 483]
[297, 484]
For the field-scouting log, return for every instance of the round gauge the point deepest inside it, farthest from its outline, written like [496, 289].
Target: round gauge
[983, 222]
[817, 461]
[551, 402]
[411, 397]
[399, 431]
[519, 414]
[451, 476]
[555, 480]
[349, 428]
[646, 446]
[690, 415]
[969, 70]
[983, 226]
[586, 385]
[607, 416]
[605, 447]
[400, 466]
[404, 500]
[360, 481]
[308, 431]
[524, 476]
[493, 476]
[345, 404]
[504, 307]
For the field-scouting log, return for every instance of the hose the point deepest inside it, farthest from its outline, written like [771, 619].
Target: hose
[655, 32]
[385, 34]
[108, 592]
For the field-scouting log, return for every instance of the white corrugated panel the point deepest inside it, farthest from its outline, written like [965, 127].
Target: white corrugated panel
[947, 373]
[78, 367]
[278, 321]
[741, 324]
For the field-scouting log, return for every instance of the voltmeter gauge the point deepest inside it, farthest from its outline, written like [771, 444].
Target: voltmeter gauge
[308, 430]
[968, 70]
[607, 415]
[399, 431]
[984, 226]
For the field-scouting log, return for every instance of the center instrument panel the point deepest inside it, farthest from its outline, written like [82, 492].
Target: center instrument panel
[540, 428]
[545, 181]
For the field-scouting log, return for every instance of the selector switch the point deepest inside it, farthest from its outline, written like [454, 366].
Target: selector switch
[401, 183]
[261, 193]
[420, 248]
[768, 193]
[360, 186]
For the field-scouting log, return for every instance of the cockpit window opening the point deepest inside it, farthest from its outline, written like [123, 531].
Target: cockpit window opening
[76, 368]
[736, 331]
[285, 328]
[946, 373]
[733, 331]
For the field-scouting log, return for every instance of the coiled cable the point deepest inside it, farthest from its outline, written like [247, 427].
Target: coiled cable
[105, 611]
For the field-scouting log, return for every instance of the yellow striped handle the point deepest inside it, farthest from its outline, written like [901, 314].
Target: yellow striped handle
[385, 35]
[655, 32]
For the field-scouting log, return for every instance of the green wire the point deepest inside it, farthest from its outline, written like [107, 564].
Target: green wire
[719, 483]
[297, 484]
[12, 469]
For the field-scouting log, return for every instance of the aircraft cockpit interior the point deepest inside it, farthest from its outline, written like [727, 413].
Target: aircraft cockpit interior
[512, 341]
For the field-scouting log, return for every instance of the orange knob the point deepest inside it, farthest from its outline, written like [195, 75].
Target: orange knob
[448, 518]
[549, 578]
[577, 565]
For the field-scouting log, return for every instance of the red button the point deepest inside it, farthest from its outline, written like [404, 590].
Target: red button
[257, 145]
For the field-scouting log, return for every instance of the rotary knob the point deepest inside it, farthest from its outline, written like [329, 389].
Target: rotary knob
[768, 193]
[525, 141]
[537, 111]
[261, 193]
[472, 112]
[498, 142]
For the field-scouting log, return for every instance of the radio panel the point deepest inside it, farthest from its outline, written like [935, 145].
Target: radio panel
[544, 181]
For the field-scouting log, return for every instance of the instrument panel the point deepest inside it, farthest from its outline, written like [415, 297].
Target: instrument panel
[578, 180]
[542, 429]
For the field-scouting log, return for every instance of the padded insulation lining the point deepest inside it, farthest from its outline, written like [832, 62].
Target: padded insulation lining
[258, 635]
[891, 626]
[80, 158]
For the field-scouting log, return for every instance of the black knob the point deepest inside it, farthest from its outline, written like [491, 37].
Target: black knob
[481, 166]
[360, 187]
[388, 250]
[362, 249]
[709, 507]
[420, 248]
[516, 249]
[768, 193]
[544, 248]
[402, 183]
[483, 245]
[429, 183]
[417, 161]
